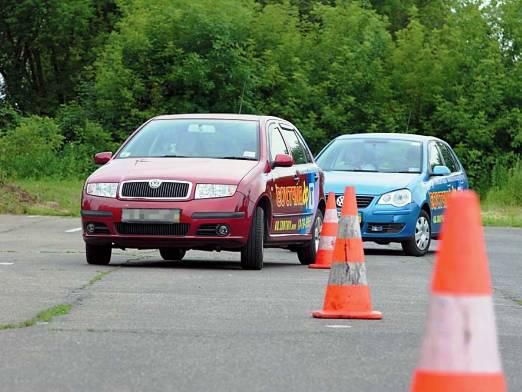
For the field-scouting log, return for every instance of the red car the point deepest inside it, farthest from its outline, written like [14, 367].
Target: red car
[206, 182]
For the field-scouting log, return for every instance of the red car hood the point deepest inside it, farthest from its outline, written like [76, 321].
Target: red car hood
[197, 170]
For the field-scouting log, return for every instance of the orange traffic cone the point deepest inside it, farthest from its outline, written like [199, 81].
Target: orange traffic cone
[323, 259]
[347, 293]
[459, 352]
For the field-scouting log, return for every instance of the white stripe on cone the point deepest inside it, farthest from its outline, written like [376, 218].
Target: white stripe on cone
[349, 227]
[460, 336]
[348, 274]
[330, 216]
[327, 242]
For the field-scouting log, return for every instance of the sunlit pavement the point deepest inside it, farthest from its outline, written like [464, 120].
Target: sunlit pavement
[206, 325]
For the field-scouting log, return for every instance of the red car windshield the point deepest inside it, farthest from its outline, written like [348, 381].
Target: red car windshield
[195, 138]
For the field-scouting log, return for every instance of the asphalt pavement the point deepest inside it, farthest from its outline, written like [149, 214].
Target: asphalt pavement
[142, 324]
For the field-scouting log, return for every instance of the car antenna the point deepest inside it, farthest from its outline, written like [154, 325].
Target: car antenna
[241, 98]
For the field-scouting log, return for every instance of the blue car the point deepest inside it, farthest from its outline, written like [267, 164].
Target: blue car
[401, 181]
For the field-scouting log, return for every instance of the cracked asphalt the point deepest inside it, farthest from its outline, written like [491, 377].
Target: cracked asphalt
[206, 325]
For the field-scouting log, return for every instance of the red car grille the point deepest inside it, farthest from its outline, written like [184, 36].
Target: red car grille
[167, 190]
[176, 229]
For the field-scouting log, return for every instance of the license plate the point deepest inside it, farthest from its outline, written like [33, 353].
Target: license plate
[143, 215]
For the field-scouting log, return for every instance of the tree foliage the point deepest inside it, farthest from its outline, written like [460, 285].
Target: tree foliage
[449, 68]
[45, 44]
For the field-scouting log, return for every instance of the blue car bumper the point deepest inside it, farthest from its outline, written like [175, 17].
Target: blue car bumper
[388, 223]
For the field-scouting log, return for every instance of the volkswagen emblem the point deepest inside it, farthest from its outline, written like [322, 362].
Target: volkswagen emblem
[339, 201]
[155, 183]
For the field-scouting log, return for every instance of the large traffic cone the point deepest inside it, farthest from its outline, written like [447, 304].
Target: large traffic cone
[323, 259]
[347, 294]
[459, 352]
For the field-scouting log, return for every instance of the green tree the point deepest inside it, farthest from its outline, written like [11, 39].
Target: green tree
[173, 56]
[347, 55]
[44, 45]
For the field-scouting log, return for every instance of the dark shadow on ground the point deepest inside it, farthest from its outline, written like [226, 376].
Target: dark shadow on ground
[197, 264]
[389, 252]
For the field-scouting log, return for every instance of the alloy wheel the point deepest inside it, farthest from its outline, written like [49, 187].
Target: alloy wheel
[422, 233]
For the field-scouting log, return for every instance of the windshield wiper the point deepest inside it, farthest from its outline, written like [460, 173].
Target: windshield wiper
[239, 158]
[194, 156]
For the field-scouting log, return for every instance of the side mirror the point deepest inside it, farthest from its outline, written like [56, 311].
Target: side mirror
[102, 157]
[440, 171]
[283, 160]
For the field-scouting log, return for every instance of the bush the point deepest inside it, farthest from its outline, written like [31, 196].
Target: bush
[30, 149]
[9, 117]
[83, 138]
[42, 147]
[507, 188]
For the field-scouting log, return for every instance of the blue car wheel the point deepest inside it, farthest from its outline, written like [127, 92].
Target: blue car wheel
[419, 243]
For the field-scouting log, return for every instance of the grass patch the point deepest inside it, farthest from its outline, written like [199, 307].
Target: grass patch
[502, 216]
[43, 316]
[59, 197]
[41, 197]
[97, 277]
[507, 186]
[47, 315]
[518, 301]
[502, 204]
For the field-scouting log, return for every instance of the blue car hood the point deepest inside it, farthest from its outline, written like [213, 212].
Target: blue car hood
[368, 183]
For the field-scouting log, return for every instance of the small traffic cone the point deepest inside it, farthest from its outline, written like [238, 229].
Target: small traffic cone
[460, 351]
[323, 259]
[347, 294]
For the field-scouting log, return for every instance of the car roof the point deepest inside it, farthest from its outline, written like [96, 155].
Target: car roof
[217, 116]
[394, 136]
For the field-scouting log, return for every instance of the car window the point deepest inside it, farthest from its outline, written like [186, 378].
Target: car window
[372, 155]
[277, 144]
[449, 159]
[197, 138]
[434, 156]
[308, 154]
[296, 149]
[455, 159]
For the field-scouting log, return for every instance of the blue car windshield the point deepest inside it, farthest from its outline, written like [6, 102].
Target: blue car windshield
[195, 138]
[372, 155]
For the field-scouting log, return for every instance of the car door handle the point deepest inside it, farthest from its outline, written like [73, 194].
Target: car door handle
[316, 176]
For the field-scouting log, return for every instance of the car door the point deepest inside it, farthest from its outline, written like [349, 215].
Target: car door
[306, 180]
[457, 179]
[281, 185]
[438, 187]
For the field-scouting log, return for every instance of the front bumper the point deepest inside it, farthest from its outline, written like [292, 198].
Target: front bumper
[194, 230]
[388, 223]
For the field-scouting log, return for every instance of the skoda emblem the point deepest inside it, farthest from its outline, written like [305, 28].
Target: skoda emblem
[155, 183]
[339, 201]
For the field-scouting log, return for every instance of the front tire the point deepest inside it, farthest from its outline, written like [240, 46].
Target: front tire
[419, 244]
[172, 254]
[252, 253]
[98, 254]
[307, 253]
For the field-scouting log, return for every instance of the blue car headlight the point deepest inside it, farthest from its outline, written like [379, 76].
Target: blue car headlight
[398, 198]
